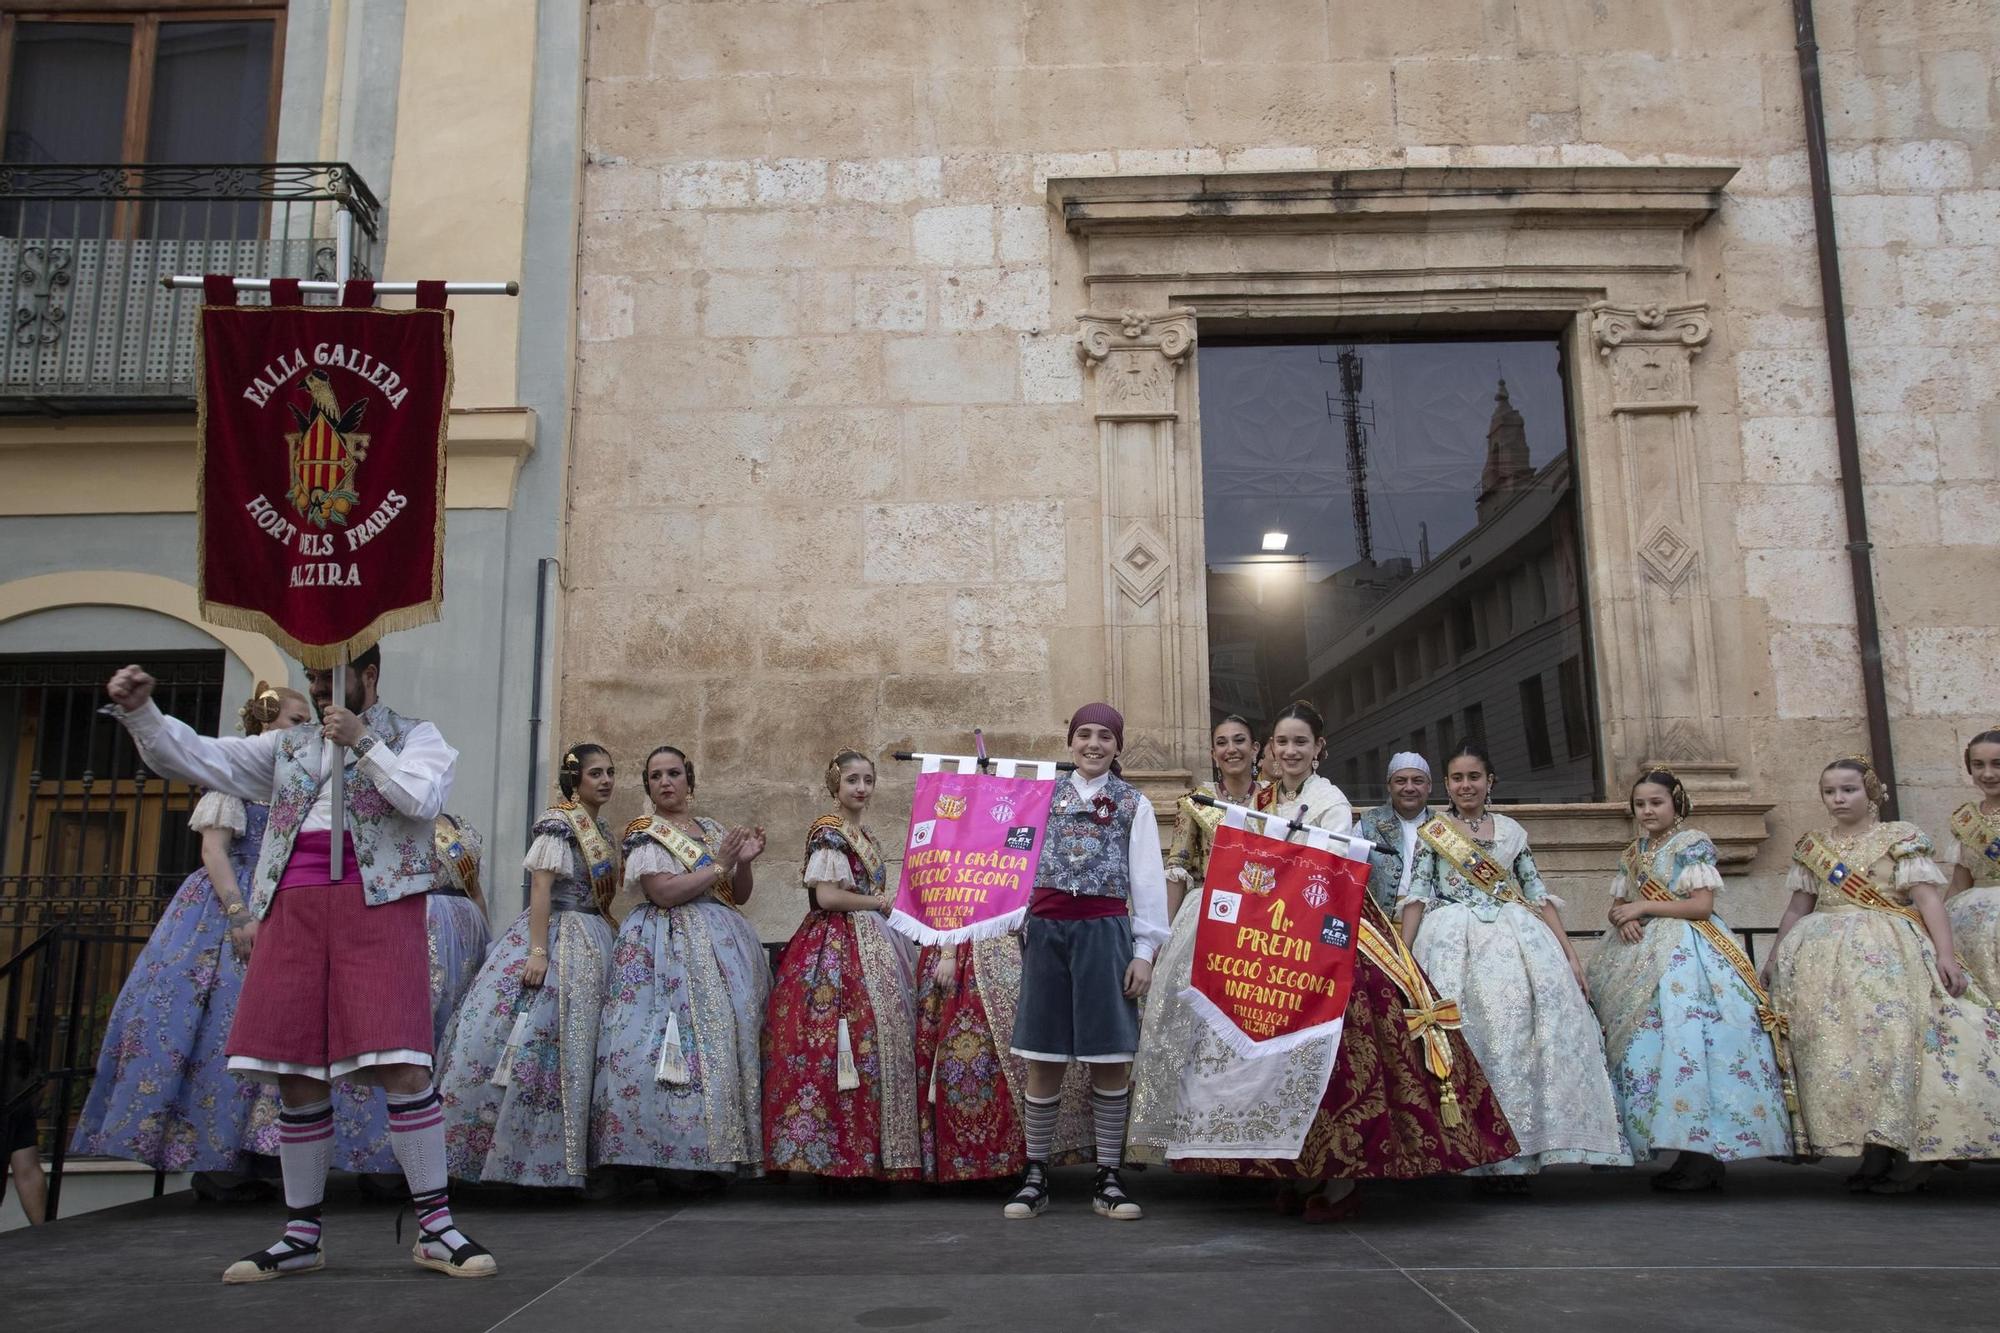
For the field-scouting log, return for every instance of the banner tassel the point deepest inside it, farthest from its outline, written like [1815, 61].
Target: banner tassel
[1448, 1113]
[673, 1068]
[849, 1077]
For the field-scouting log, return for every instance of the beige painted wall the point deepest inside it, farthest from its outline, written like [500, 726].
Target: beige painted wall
[835, 479]
[458, 190]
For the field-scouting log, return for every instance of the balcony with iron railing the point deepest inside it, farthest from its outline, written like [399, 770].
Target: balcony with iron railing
[83, 249]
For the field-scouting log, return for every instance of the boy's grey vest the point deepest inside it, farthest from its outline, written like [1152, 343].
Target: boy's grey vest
[397, 855]
[1081, 855]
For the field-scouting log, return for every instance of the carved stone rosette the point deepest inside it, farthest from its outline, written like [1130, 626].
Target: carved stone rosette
[1151, 538]
[1663, 614]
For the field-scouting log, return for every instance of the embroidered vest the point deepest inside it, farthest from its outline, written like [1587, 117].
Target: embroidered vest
[397, 855]
[1088, 847]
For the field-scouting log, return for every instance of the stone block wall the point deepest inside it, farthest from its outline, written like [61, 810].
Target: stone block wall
[834, 479]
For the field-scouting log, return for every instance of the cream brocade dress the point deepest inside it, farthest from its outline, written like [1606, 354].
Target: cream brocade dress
[1975, 918]
[1882, 1053]
[1526, 1020]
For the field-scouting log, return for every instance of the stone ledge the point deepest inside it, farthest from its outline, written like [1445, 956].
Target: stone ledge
[1681, 196]
[1583, 838]
[145, 464]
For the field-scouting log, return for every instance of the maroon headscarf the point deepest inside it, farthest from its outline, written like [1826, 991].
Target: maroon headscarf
[1103, 715]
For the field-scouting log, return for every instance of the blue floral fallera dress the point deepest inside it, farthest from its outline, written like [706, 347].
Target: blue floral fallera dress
[1691, 1064]
[163, 1094]
[679, 1079]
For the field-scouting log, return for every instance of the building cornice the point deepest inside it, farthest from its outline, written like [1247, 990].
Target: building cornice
[1677, 196]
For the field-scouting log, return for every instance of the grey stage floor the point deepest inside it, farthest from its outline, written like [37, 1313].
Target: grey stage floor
[1784, 1248]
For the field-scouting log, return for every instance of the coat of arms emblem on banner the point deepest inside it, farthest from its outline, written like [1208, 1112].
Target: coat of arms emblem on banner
[326, 453]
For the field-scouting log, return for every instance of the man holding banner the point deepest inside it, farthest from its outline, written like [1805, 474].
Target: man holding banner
[1097, 917]
[339, 985]
[321, 524]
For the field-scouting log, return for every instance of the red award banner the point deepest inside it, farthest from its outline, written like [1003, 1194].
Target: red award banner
[321, 467]
[1274, 946]
[969, 867]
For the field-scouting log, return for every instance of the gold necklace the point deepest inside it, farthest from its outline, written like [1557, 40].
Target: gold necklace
[1844, 847]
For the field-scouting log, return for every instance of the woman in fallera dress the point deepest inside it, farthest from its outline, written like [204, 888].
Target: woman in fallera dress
[1895, 1060]
[1687, 1025]
[1974, 901]
[163, 1094]
[1400, 1097]
[840, 1098]
[518, 1065]
[1485, 929]
[677, 1080]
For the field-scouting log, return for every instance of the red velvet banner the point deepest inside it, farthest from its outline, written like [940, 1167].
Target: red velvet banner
[321, 493]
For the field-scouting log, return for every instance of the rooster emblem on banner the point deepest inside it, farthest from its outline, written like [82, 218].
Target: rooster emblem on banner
[326, 453]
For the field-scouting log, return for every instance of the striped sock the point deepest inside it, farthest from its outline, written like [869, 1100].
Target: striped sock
[305, 1150]
[434, 1219]
[1107, 1117]
[416, 1136]
[1040, 1131]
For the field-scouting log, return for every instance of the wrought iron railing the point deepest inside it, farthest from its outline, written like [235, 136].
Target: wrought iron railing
[43, 990]
[83, 249]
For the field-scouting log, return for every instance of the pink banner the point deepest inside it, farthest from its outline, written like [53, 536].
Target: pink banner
[975, 842]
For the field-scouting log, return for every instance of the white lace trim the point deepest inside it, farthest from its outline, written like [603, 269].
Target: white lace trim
[548, 852]
[827, 866]
[219, 810]
[1918, 869]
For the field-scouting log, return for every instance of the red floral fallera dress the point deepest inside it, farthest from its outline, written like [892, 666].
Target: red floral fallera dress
[841, 970]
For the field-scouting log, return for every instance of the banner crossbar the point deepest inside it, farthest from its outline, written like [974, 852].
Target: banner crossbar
[184, 281]
[972, 763]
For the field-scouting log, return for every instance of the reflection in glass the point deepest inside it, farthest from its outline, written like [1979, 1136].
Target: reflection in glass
[1430, 590]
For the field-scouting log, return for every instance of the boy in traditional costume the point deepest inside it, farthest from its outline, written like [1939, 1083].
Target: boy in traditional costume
[1097, 917]
[339, 983]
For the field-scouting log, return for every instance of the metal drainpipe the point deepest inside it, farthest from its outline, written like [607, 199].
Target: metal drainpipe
[535, 707]
[1853, 502]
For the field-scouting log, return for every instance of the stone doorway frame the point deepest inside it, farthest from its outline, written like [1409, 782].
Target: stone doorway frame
[1602, 256]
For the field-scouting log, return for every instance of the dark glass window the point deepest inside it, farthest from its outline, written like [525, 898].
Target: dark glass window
[141, 86]
[1391, 532]
[1535, 724]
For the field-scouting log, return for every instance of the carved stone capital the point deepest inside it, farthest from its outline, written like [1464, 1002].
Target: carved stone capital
[1649, 350]
[1136, 358]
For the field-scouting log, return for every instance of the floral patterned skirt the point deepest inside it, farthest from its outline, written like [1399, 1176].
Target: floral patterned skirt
[969, 1087]
[841, 968]
[1975, 934]
[1691, 1065]
[163, 1094]
[535, 1129]
[1380, 1117]
[1533, 1033]
[677, 1080]
[1881, 1053]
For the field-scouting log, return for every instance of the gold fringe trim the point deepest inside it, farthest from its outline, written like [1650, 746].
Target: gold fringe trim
[319, 655]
